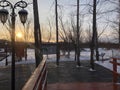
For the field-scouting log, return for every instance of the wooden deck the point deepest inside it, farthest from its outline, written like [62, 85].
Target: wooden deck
[68, 77]
[83, 86]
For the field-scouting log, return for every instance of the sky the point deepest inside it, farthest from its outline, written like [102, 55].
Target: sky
[46, 10]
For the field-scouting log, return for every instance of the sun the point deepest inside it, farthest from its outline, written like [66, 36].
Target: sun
[19, 35]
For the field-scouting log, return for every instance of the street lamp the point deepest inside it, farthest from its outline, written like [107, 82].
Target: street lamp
[23, 15]
[3, 17]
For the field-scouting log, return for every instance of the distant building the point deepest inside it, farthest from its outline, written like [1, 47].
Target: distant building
[49, 48]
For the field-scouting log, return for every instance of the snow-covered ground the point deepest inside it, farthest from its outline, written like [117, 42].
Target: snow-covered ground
[85, 55]
[30, 59]
[108, 65]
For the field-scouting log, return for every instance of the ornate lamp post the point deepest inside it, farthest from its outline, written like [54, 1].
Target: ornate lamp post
[3, 17]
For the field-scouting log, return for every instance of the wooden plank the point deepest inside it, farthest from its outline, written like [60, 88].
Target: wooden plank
[116, 73]
[33, 81]
[115, 63]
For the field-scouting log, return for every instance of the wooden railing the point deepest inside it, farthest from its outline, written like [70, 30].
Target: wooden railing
[38, 81]
[115, 72]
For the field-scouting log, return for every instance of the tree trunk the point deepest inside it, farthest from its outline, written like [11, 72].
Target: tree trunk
[119, 21]
[75, 51]
[36, 33]
[92, 46]
[40, 40]
[92, 56]
[78, 36]
[57, 37]
[97, 46]
[68, 49]
[25, 52]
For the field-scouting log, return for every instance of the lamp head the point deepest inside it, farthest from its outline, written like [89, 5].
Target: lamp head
[3, 15]
[23, 15]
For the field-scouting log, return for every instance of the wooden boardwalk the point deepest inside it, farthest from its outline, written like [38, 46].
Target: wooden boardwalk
[83, 86]
[68, 77]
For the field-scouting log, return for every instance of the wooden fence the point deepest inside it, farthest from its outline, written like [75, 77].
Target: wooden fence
[115, 72]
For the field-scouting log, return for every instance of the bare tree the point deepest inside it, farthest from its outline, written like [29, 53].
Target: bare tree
[37, 34]
[119, 19]
[97, 14]
[9, 28]
[64, 33]
[78, 35]
[88, 34]
[57, 34]
[72, 35]
[27, 35]
[49, 35]
[50, 31]
[115, 24]
[92, 46]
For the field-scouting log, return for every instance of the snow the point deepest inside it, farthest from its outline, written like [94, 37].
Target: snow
[85, 55]
[108, 65]
[92, 70]
[30, 59]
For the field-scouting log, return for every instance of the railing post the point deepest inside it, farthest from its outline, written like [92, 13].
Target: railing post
[115, 70]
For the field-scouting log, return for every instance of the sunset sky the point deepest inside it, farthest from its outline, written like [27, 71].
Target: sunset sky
[47, 10]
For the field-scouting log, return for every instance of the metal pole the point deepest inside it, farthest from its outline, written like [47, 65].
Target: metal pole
[13, 50]
[21, 4]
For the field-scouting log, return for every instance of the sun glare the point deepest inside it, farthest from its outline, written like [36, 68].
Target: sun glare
[19, 35]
